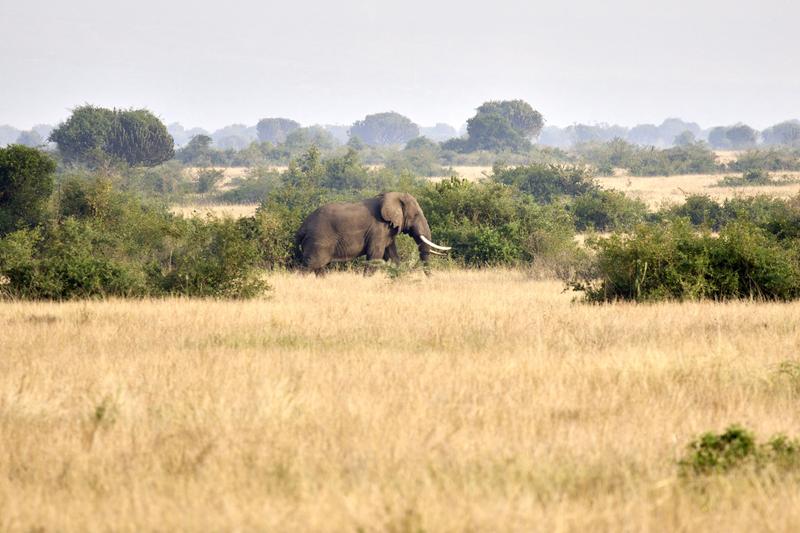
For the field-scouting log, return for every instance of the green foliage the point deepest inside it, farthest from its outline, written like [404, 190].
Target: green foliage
[208, 178]
[275, 130]
[26, 182]
[385, 129]
[688, 158]
[736, 448]
[420, 157]
[673, 262]
[751, 178]
[607, 210]
[491, 224]
[98, 136]
[215, 259]
[498, 126]
[104, 242]
[701, 210]
[253, 187]
[772, 159]
[546, 182]
[785, 133]
[197, 151]
[738, 137]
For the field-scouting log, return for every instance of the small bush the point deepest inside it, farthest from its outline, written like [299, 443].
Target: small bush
[208, 178]
[604, 210]
[735, 448]
[754, 177]
[546, 182]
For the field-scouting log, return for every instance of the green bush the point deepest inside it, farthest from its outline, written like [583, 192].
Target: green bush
[546, 182]
[735, 448]
[606, 210]
[771, 159]
[208, 178]
[214, 259]
[755, 177]
[492, 224]
[674, 261]
[26, 182]
[103, 242]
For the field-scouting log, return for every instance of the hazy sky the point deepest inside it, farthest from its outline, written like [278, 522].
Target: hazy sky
[215, 63]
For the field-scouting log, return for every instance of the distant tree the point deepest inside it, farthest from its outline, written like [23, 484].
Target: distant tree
[785, 133]
[83, 137]
[30, 139]
[303, 138]
[355, 143]
[440, 132]
[742, 136]
[275, 130]
[95, 135]
[197, 151]
[139, 138]
[685, 139]
[8, 135]
[523, 118]
[718, 138]
[385, 129]
[504, 125]
[493, 132]
[673, 127]
[233, 142]
[644, 134]
[26, 182]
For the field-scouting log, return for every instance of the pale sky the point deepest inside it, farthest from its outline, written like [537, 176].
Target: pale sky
[210, 64]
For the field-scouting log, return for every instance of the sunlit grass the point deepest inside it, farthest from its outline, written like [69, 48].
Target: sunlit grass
[479, 400]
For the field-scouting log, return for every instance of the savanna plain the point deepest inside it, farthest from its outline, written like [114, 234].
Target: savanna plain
[485, 400]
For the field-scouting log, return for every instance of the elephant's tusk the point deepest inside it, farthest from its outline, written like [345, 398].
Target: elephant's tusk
[434, 252]
[432, 245]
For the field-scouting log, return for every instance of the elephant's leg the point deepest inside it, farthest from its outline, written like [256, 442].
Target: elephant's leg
[375, 252]
[391, 254]
[315, 260]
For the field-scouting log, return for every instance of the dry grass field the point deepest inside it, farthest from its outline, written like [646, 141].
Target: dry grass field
[657, 190]
[469, 401]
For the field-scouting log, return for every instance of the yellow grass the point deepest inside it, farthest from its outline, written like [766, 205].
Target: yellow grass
[470, 401]
[656, 190]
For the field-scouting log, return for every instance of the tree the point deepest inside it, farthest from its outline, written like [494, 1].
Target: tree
[197, 151]
[718, 138]
[786, 133]
[501, 125]
[685, 139]
[30, 139]
[26, 182]
[385, 129]
[139, 138]
[644, 134]
[742, 136]
[82, 138]
[275, 130]
[95, 135]
[525, 120]
[303, 138]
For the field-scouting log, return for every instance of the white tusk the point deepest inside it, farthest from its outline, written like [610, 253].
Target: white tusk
[434, 252]
[432, 245]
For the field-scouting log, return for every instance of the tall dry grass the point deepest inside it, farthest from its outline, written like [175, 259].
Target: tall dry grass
[478, 401]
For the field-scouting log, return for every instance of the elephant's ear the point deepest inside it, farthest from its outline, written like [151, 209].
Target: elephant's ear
[392, 209]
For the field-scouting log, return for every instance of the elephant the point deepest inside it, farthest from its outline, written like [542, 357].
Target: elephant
[344, 231]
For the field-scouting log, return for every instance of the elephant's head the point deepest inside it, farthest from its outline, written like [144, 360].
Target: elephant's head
[403, 213]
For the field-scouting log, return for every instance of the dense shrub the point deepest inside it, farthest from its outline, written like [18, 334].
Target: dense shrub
[546, 182]
[673, 261]
[26, 182]
[491, 223]
[103, 242]
[690, 158]
[606, 210]
[772, 159]
[751, 178]
[253, 187]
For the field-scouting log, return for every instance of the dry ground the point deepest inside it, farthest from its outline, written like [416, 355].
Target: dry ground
[470, 401]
